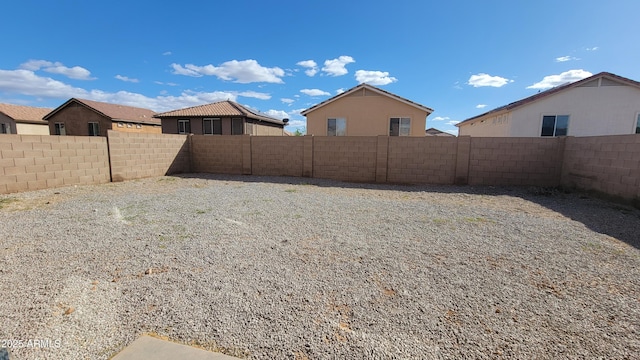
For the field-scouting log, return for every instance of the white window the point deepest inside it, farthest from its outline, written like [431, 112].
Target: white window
[555, 125]
[638, 124]
[400, 126]
[5, 128]
[184, 126]
[336, 127]
[94, 129]
[59, 129]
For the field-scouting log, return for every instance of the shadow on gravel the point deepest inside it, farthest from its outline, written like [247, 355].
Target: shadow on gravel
[616, 220]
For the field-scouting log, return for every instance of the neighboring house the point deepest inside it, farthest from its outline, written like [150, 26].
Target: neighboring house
[366, 110]
[220, 118]
[436, 132]
[602, 104]
[79, 117]
[24, 120]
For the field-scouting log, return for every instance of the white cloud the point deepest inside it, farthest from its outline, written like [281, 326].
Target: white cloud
[562, 78]
[126, 79]
[26, 82]
[314, 92]
[482, 79]
[452, 132]
[595, 48]
[440, 118]
[566, 58]
[336, 67]
[339, 91]
[168, 84]
[297, 123]
[287, 101]
[278, 114]
[296, 111]
[255, 94]
[76, 72]
[374, 77]
[312, 67]
[481, 106]
[243, 72]
[166, 53]
[452, 122]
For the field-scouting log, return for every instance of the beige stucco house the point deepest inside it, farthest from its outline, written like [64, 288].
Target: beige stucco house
[23, 120]
[81, 117]
[602, 104]
[366, 110]
[220, 118]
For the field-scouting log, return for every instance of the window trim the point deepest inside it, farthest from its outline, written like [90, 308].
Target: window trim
[400, 118]
[555, 124]
[336, 118]
[187, 128]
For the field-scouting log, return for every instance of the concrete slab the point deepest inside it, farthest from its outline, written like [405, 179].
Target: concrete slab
[147, 347]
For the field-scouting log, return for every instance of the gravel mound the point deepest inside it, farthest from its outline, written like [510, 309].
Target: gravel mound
[273, 268]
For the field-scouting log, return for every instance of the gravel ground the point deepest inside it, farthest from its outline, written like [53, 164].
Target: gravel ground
[295, 268]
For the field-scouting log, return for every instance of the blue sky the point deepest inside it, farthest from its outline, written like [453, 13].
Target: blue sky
[460, 58]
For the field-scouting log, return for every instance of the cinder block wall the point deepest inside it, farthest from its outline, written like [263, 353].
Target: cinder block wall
[277, 155]
[609, 164]
[34, 162]
[515, 161]
[218, 154]
[345, 158]
[139, 155]
[428, 160]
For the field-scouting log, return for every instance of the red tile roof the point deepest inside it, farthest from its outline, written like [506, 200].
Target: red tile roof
[551, 91]
[372, 88]
[24, 114]
[225, 108]
[115, 112]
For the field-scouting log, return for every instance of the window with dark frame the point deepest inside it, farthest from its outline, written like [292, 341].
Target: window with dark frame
[638, 124]
[336, 127]
[5, 128]
[94, 129]
[207, 126]
[237, 126]
[399, 126]
[184, 126]
[59, 129]
[555, 125]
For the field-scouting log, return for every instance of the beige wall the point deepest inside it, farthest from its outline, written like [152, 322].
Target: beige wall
[32, 129]
[609, 164]
[497, 125]
[220, 154]
[138, 155]
[367, 114]
[33, 162]
[276, 155]
[430, 160]
[592, 110]
[345, 158]
[136, 128]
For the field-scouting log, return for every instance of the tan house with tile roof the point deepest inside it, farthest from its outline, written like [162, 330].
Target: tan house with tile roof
[602, 104]
[220, 118]
[436, 132]
[80, 117]
[366, 110]
[23, 120]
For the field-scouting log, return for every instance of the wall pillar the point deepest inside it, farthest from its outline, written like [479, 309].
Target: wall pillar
[246, 154]
[307, 156]
[382, 159]
[463, 154]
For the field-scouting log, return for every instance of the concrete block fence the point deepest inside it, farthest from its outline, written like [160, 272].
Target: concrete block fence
[607, 164]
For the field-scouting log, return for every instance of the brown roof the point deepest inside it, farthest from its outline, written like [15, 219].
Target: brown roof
[372, 88]
[115, 112]
[24, 114]
[436, 132]
[552, 91]
[219, 109]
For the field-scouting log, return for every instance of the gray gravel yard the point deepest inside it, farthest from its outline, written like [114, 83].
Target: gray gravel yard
[295, 268]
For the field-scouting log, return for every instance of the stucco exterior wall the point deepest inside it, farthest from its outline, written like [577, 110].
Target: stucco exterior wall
[8, 122]
[136, 128]
[76, 119]
[367, 114]
[493, 126]
[251, 127]
[32, 129]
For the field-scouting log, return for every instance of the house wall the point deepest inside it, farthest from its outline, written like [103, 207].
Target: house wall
[32, 129]
[170, 126]
[76, 119]
[33, 162]
[608, 164]
[135, 128]
[139, 155]
[8, 122]
[367, 114]
[497, 125]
